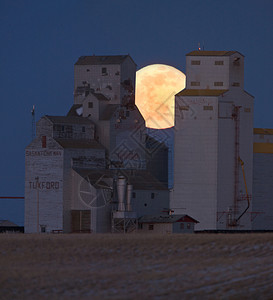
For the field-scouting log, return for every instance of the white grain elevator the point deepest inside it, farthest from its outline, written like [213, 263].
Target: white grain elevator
[213, 143]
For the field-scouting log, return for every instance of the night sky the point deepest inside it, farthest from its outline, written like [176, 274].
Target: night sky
[41, 41]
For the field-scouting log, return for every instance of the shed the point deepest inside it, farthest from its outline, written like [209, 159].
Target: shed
[167, 224]
[8, 226]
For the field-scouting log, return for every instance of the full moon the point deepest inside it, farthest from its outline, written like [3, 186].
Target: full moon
[156, 86]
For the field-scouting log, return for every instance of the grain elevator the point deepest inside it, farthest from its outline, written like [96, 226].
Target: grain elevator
[76, 163]
[98, 170]
[213, 142]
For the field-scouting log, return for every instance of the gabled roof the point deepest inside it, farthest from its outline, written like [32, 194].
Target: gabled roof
[86, 90]
[79, 144]
[201, 92]
[102, 60]
[166, 219]
[7, 223]
[73, 110]
[211, 53]
[69, 120]
[101, 97]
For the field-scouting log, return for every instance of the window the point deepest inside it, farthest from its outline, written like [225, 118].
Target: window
[219, 62]
[195, 83]
[236, 84]
[69, 129]
[127, 113]
[151, 227]
[182, 226]
[208, 107]
[185, 107]
[134, 195]
[87, 70]
[83, 129]
[188, 225]
[195, 62]
[152, 195]
[90, 104]
[43, 228]
[218, 83]
[57, 128]
[247, 109]
[145, 204]
[43, 141]
[236, 61]
[103, 71]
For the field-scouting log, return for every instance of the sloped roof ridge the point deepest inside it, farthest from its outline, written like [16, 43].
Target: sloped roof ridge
[201, 92]
[102, 59]
[212, 53]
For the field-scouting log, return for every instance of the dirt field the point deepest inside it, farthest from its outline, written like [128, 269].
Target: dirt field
[84, 266]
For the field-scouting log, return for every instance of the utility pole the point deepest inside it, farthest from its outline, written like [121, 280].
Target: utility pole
[37, 187]
[33, 123]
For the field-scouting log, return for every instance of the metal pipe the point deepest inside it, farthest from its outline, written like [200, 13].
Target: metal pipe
[247, 196]
[129, 197]
[121, 189]
[37, 186]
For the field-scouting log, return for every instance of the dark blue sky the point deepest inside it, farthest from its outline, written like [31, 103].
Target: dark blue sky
[41, 41]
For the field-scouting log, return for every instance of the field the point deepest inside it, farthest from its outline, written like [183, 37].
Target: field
[136, 266]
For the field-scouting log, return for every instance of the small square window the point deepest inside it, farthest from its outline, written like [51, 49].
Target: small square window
[69, 129]
[151, 227]
[152, 195]
[134, 195]
[127, 113]
[207, 107]
[90, 104]
[236, 61]
[218, 83]
[103, 71]
[182, 226]
[195, 83]
[219, 62]
[43, 141]
[83, 129]
[195, 62]
[43, 228]
[188, 225]
[184, 107]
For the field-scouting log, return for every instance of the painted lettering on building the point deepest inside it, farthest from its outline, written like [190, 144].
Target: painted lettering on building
[43, 153]
[44, 185]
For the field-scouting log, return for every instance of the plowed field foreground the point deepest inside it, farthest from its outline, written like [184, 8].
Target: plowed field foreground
[136, 266]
